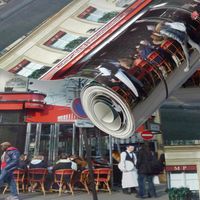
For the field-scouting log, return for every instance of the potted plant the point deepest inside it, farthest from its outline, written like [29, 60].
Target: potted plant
[182, 193]
[185, 193]
[172, 193]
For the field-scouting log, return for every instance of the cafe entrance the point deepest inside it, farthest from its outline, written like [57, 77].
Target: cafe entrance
[50, 140]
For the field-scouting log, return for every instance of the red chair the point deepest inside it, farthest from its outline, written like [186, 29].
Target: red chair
[102, 176]
[124, 93]
[174, 49]
[84, 179]
[155, 59]
[37, 176]
[148, 74]
[19, 176]
[60, 176]
[145, 72]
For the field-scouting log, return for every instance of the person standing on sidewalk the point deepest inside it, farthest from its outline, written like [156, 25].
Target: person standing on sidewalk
[9, 162]
[129, 172]
[145, 172]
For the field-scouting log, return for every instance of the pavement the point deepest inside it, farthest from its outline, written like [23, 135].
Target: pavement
[81, 195]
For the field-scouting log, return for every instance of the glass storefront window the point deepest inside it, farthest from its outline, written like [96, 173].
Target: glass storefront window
[15, 134]
[65, 139]
[11, 117]
[180, 125]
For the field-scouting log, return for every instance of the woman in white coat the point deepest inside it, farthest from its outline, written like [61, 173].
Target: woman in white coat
[129, 172]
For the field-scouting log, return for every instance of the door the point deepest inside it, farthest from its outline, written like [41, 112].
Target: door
[42, 139]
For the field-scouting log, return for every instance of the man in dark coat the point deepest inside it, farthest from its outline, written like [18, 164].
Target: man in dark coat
[9, 162]
[65, 163]
[145, 173]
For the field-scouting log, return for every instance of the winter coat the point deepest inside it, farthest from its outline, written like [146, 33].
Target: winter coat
[10, 159]
[36, 163]
[65, 164]
[144, 157]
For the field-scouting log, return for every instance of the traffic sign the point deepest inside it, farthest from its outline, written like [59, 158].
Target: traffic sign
[146, 135]
[77, 108]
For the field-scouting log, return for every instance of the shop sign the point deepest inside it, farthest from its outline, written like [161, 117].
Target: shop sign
[66, 118]
[51, 114]
[155, 127]
[171, 168]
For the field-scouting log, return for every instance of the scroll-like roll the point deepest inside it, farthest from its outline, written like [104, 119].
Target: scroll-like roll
[131, 76]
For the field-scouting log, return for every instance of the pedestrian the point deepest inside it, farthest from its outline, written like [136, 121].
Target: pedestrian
[177, 31]
[9, 162]
[196, 7]
[117, 174]
[195, 23]
[128, 167]
[145, 173]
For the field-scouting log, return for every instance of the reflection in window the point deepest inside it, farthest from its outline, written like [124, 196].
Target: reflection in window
[181, 142]
[193, 81]
[65, 139]
[180, 124]
[29, 69]
[96, 15]
[65, 41]
[11, 117]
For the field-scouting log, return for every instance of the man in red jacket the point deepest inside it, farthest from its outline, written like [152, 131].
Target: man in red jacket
[9, 162]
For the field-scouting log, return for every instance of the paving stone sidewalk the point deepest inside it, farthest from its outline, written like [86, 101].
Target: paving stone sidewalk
[80, 195]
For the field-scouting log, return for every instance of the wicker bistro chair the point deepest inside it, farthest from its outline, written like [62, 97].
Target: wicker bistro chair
[155, 59]
[19, 176]
[37, 176]
[60, 178]
[102, 176]
[173, 48]
[84, 179]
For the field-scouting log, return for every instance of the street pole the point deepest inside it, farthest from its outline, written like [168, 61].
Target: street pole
[90, 167]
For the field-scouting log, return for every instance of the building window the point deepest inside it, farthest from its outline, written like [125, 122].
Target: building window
[96, 15]
[29, 69]
[180, 124]
[19, 66]
[65, 41]
[14, 117]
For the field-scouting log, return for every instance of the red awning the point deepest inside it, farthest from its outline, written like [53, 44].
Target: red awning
[52, 114]
[11, 106]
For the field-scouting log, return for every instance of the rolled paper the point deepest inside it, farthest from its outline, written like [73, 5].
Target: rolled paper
[131, 76]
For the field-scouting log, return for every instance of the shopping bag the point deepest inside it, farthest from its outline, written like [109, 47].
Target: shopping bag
[156, 180]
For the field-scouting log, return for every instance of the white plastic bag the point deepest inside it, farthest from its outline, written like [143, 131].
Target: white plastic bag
[156, 180]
